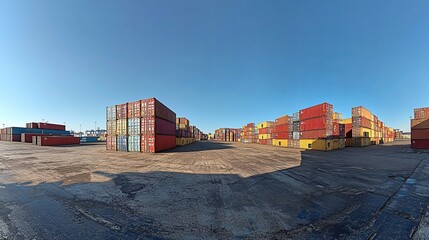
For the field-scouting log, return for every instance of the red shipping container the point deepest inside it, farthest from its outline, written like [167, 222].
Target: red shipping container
[362, 122]
[420, 143]
[282, 128]
[51, 126]
[313, 134]
[314, 123]
[134, 109]
[263, 141]
[250, 125]
[57, 140]
[111, 143]
[153, 126]
[282, 135]
[32, 125]
[420, 113]
[324, 109]
[283, 120]
[419, 134]
[157, 143]
[263, 131]
[28, 137]
[153, 108]
[122, 111]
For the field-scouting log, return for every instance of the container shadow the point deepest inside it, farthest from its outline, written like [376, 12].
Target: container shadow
[200, 146]
[327, 195]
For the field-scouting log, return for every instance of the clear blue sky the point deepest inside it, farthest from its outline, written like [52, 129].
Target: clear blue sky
[219, 63]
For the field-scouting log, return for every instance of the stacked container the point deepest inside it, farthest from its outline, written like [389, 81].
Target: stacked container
[111, 128]
[316, 122]
[265, 130]
[19, 134]
[420, 129]
[283, 130]
[294, 141]
[141, 126]
[249, 133]
[184, 132]
[367, 125]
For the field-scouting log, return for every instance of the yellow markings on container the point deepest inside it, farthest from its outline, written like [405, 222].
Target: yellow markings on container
[280, 142]
[264, 136]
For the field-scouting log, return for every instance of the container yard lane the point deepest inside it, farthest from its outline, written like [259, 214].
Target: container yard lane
[213, 190]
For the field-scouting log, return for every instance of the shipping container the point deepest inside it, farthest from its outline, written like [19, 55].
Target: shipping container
[111, 127]
[88, 139]
[52, 126]
[121, 127]
[362, 122]
[324, 109]
[264, 136]
[111, 143]
[28, 137]
[57, 140]
[121, 111]
[322, 122]
[420, 143]
[421, 113]
[266, 124]
[280, 142]
[32, 125]
[134, 109]
[111, 113]
[420, 133]
[362, 112]
[157, 143]
[133, 126]
[313, 134]
[153, 108]
[134, 143]
[122, 143]
[419, 123]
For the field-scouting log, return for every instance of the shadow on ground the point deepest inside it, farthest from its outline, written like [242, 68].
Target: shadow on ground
[331, 195]
[202, 146]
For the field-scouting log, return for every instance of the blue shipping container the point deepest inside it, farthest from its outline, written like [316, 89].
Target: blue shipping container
[19, 130]
[122, 143]
[88, 139]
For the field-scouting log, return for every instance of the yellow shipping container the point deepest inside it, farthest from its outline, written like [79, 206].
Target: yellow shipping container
[306, 143]
[337, 116]
[346, 121]
[362, 132]
[183, 126]
[280, 142]
[121, 127]
[265, 124]
[264, 136]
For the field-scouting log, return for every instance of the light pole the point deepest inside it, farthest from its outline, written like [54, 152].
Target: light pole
[80, 130]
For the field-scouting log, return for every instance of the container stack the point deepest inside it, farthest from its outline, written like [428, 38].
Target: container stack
[249, 133]
[184, 132]
[294, 141]
[283, 130]
[420, 129]
[122, 127]
[111, 128]
[226, 134]
[265, 129]
[367, 125]
[140, 126]
[52, 134]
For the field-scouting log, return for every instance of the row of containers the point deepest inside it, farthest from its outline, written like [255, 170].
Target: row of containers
[147, 126]
[42, 134]
[420, 129]
[317, 127]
